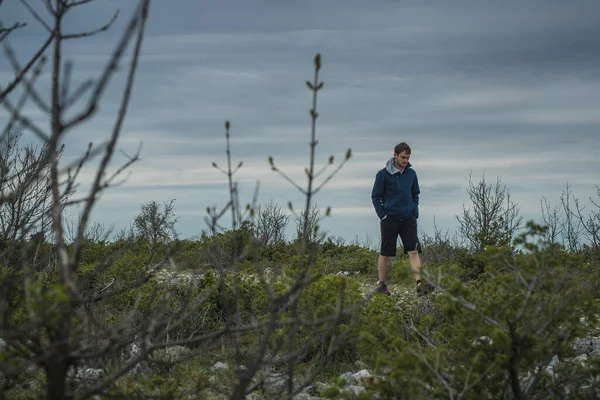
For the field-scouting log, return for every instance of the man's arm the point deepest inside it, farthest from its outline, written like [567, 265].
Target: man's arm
[377, 195]
[415, 195]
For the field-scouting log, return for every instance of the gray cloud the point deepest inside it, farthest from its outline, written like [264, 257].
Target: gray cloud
[509, 89]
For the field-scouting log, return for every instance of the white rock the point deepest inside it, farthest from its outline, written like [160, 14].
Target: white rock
[132, 350]
[586, 345]
[355, 390]
[582, 358]
[220, 365]
[89, 374]
[321, 386]
[483, 340]
[349, 378]
[276, 381]
[171, 354]
[362, 376]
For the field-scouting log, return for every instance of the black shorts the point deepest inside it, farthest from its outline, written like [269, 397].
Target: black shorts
[406, 228]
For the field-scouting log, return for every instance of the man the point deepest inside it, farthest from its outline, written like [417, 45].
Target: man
[395, 197]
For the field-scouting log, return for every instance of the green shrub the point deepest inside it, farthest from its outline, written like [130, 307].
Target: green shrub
[322, 299]
[384, 318]
[529, 307]
[352, 259]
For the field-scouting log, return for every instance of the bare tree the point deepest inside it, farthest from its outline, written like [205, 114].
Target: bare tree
[440, 247]
[307, 224]
[492, 219]
[38, 55]
[552, 219]
[234, 196]
[571, 224]
[337, 240]
[270, 223]
[567, 222]
[591, 223]
[62, 320]
[59, 331]
[156, 223]
[94, 231]
[25, 189]
[308, 253]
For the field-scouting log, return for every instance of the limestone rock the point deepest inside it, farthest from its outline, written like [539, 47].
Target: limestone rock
[349, 378]
[171, 354]
[87, 374]
[355, 389]
[219, 366]
[587, 345]
[362, 376]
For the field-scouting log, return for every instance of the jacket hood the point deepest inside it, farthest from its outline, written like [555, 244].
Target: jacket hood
[390, 166]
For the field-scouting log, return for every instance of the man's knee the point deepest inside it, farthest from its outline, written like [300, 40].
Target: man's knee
[413, 253]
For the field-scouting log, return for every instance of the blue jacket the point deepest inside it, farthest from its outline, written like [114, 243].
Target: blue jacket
[395, 193]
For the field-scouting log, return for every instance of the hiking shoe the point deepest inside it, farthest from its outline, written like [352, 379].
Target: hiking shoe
[424, 288]
[383, 289]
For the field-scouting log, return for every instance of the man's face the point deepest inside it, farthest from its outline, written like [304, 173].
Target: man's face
[401, 159]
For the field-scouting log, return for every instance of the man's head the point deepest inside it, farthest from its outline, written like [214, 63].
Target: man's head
[401, 155]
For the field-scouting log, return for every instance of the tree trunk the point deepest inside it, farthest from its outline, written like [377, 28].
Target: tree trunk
[58, 361]
[56, 373]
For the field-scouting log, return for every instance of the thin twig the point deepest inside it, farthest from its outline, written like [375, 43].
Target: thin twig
[24, 71]
[29, 86]
[36, 16]
[4, 32]
[330, 176]
[103, 28]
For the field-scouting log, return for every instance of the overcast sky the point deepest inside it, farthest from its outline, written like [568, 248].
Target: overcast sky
[506, 88]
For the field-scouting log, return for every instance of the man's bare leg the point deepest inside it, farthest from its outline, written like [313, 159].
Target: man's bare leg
[415, 264]
[382, 265]
[423, 288]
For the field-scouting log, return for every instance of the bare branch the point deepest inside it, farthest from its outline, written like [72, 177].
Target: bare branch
[4, 92]
[4, 32]
[330, 176]
[36, 16]
[49, 7]
[287, 178]
[29, 87]
[481, 377]
[80, 91]
[435, 371]
[109, 69]
[525, 302]
[79, 3]
[66, 80]
[16, 115]
[141, 19]
[93, 32]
